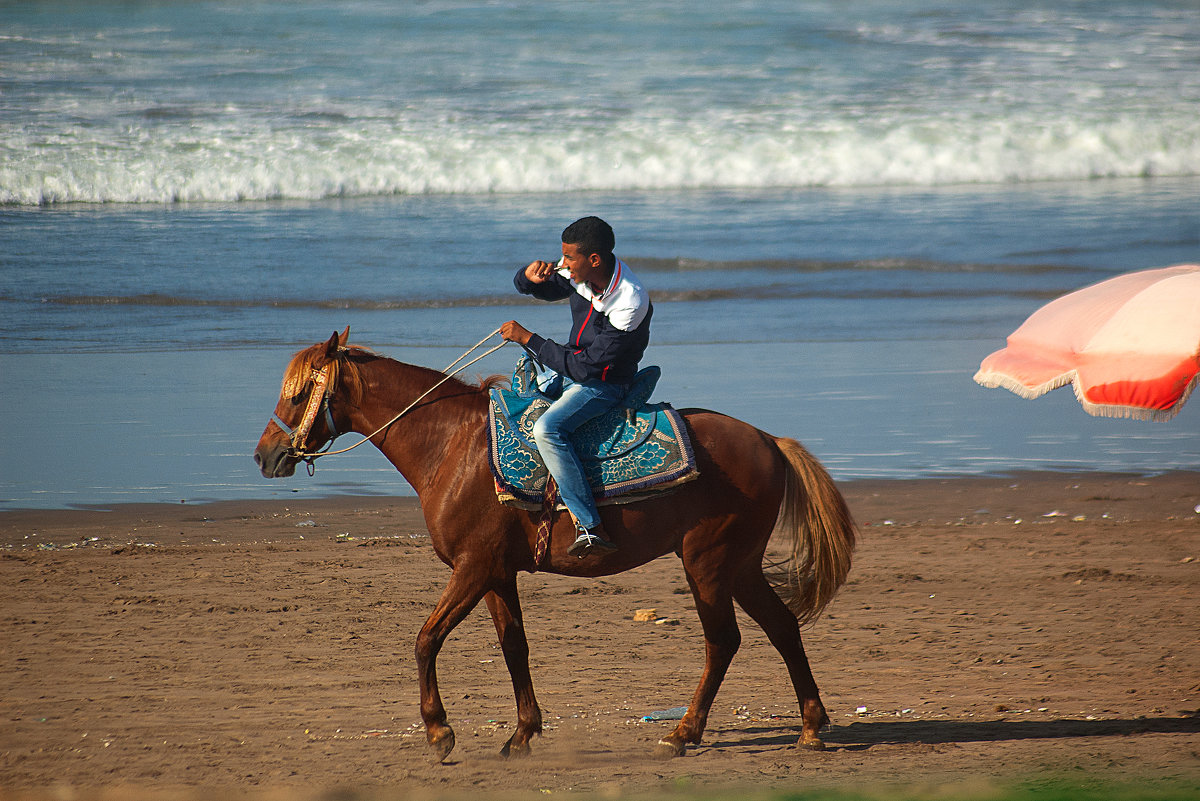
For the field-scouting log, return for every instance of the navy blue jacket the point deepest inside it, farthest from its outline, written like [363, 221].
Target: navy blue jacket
[609, 332]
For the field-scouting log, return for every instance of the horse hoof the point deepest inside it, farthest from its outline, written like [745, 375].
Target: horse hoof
[668, 749]
[512, 750]
[811, 742]
[442, 746]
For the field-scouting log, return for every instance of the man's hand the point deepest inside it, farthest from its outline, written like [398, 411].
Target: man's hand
[538, 271]
[515, 332]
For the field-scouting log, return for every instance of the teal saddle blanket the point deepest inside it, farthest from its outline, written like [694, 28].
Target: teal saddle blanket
[634, 448]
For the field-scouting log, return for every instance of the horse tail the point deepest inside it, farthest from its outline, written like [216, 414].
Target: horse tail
[815, 521]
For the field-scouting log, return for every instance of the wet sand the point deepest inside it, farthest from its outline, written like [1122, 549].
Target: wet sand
[993, 631]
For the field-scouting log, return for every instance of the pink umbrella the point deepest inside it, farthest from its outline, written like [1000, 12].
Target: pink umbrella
[1130, 345]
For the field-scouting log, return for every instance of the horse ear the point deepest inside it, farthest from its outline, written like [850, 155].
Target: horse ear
[331, 347]
[345, 337]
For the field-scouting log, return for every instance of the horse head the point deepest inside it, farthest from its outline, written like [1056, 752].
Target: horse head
[303, 421]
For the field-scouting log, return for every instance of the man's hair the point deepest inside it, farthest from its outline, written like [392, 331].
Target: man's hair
[591, 235]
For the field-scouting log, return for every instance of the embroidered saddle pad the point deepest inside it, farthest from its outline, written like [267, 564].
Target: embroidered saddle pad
[625, 454]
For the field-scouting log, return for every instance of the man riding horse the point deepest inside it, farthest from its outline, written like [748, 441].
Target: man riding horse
[610, 328]
[749, 489]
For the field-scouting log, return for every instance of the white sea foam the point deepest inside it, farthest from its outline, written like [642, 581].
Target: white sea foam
[112, 102]
[214, 161]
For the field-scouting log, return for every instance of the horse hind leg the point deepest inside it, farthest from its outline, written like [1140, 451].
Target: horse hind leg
[714, 605]
[755, 595]
[505, 605]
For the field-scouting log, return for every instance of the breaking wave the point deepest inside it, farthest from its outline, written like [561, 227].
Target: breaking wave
[216, 160]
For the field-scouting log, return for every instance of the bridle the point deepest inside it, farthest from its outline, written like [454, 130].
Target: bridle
[318, 401]
[321, 394]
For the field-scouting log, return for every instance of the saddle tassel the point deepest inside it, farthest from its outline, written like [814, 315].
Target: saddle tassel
[545, 522]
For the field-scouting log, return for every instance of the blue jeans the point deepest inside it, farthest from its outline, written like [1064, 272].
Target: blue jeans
[552, 434]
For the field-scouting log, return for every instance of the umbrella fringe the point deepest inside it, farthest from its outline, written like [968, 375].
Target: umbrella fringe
[1155, 415]
[994, 381]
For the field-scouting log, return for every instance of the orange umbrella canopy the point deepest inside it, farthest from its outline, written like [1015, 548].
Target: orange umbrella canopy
[1130, 345]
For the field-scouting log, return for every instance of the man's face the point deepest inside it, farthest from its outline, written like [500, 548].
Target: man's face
[582, 268]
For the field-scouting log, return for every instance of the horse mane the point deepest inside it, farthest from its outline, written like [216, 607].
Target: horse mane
[298, 374]
[348, 365]
[497, 380]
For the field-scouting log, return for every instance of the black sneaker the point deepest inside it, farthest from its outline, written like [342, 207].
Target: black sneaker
[590, 542]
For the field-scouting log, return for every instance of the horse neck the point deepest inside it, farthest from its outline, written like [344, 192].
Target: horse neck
[417, 442]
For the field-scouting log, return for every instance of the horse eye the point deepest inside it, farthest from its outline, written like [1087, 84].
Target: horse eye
[299, 397]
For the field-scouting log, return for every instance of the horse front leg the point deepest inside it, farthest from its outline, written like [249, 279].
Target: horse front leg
[505, 605]
[461, 595]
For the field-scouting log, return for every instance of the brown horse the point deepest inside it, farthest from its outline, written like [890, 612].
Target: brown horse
[750, 485]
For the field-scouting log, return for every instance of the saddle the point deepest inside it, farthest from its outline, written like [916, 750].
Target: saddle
[634, 449]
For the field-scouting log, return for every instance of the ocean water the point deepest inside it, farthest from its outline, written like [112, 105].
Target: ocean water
[217, 101]
[840, 209]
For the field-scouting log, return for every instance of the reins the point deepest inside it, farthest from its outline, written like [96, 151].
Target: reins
[311, 456]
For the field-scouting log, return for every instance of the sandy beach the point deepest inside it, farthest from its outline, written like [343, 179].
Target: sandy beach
[993, 631]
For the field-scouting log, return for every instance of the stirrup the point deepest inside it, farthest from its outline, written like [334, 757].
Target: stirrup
[587, 543]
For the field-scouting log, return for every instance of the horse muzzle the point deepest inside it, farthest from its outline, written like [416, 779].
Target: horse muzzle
[275, 460]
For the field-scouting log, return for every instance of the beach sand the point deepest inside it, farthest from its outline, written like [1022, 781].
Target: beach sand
[993, 631]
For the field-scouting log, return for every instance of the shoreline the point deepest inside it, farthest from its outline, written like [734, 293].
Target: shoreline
[1041, 482]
